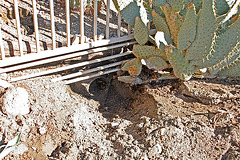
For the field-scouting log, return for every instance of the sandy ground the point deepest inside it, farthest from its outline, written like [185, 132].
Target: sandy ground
[111, 120]
[105, 119]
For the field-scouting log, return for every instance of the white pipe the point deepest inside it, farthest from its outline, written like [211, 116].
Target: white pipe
[52, 25]
[69, 67]
[92, 76]
[18, 27]
[35, 21]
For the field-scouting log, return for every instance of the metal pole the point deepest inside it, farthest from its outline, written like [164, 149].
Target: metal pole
[119, 24]
[67, 22]
[82, 22]
[107, 19]
[35, 21]
[52, 24]
[95, 21]
[18, 27]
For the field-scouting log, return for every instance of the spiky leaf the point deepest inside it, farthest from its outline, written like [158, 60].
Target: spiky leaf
[160, 23]
[174, 22]
[130, 12]
[159, 2]
[221, 7]
[155, 63]
[130, 79]
[188, 30]
[224, 47]
[177, 5]
[232, 70]
[228, 61]
[234, 9]
[140, 31]
[148, 10]
[133, 67]
[181, 67]
[144, 52]
[206, 26]
[198, 4]
[158, 10]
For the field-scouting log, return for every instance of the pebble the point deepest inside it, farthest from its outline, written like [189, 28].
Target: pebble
[15, 101]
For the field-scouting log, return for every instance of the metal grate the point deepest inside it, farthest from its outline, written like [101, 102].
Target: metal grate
[9, 64]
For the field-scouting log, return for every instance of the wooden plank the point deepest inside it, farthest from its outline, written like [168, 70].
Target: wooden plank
[77, 74]
[67, 10]
[82, 22]
[1, 44]
[64, 50]
[95, 20]
[70, 67]
[107, 19]
[119, 24]
[35, 21]
[52, 24]
[68, 56]
[18, 27]
[92, 76]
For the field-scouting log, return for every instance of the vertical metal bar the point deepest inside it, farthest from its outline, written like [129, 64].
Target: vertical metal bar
[119, 24]
[35, 21]
[67, 21]
[129, 29]
[18, 27]
[1, 44]
[52, 24]
[82, 22]
[95, 20]
[107, 19]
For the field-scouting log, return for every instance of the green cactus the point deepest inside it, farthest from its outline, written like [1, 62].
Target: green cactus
[133, 67]
[198, 4]
[182, 69]
[226, 63]
[188, 29]
[206, 27]
[156, 63]
[174, 22]
[232, 70]
[159, 2]
[192, 36]
[222, 7]
[130, 12]
[160, 23]
[140, 32]
[177, 5]
[224, 47]
[130, 79]
[144, 52]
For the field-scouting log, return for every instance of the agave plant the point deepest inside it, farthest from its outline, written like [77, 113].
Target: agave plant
[193, 37]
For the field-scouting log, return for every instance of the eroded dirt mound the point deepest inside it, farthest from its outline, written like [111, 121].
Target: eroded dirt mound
[115, 121]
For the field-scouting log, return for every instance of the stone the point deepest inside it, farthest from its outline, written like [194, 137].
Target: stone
[15, 101]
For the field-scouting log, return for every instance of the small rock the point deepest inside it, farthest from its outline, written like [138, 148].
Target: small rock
[15, 101]
[42, 130]
[114, 124]
[157, 149]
